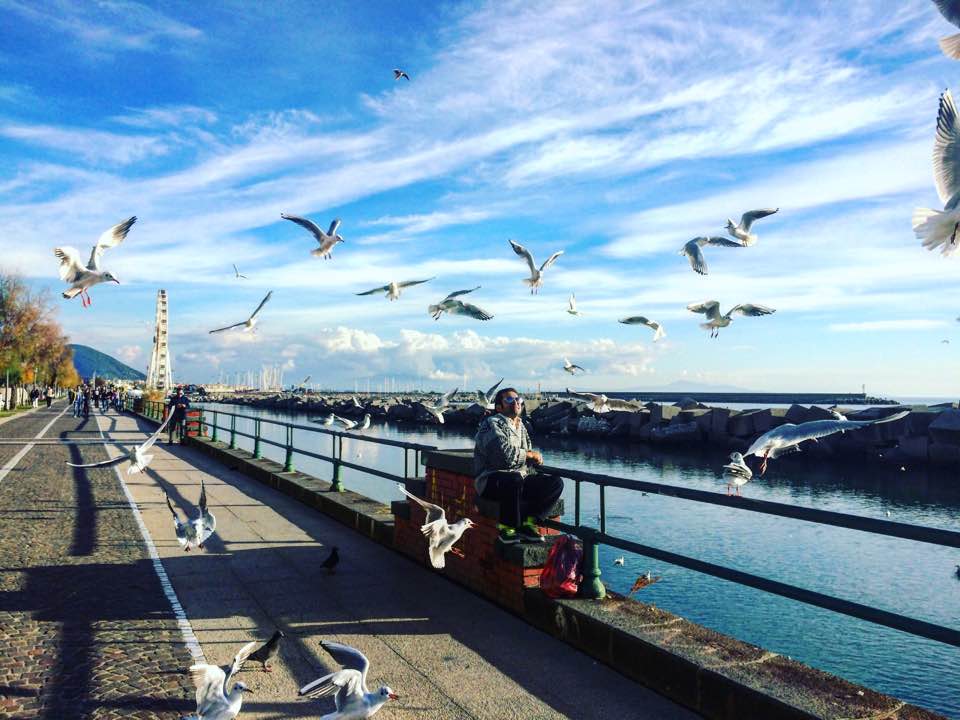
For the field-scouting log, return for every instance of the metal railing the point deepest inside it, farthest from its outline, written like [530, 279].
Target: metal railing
[209, 424]
[592, 538]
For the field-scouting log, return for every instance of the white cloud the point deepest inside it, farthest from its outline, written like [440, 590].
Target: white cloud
[129, 353]
[883, 325]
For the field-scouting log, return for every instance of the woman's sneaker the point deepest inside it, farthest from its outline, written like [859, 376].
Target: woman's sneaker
[508, 535]
[529, 532]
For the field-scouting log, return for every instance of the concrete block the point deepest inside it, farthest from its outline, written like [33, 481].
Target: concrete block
[914, 448]
[944, 455]
[946, 428]
[659, 413]
[525, 555]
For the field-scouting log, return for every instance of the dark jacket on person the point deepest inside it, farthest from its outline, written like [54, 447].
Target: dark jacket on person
[499, 446]
[179, 412]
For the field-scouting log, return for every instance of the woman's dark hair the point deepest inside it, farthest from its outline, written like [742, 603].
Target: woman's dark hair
[498, 398]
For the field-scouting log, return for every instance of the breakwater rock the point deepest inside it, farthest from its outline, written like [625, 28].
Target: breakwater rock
[928, 434]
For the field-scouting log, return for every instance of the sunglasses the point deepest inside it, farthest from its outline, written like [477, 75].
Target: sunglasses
[513, 401]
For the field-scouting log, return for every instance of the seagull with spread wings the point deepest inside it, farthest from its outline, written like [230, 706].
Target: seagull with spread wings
[251, 321]
[935, 228]
[457, 307]
[572, 305]
[393, 289]
[786, 439]
[571, 368]
[658, 331]
[950, 45]
[138, 457]
[601, 403]
[742, 231]
[486, 398]
[82, 278]
[194, 533]
[715, 321]
[398, 73]
[326, 239]
[214, 702]
[441, 535]
[236, 273]
[436, 409]
[352, 697]
[535, 281]
[694, 250]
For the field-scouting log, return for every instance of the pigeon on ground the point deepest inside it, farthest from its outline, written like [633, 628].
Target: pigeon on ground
[251, 321]
[326, 240]
[535, 281]
[333, 559]
[194, 533]
[694, 252]
[658, 331]
[268, 651]
[742, 231]
[211, 681]
[441, 535]
[82, 278]
[352, 697]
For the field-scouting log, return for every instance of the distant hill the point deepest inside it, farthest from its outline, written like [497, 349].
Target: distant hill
[87, 360]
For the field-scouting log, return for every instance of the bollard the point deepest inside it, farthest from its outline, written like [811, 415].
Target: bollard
[233, 432]
[256, 439]
[213, 435]
[288, 461]
[591, 587]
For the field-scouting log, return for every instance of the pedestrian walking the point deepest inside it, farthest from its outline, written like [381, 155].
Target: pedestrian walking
[35, 396]
[48, 396]
[178, 405]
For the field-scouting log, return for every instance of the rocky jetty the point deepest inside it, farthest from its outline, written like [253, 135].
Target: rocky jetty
[929, 434]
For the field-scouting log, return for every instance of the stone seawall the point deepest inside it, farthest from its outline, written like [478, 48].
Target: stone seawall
[928, 435]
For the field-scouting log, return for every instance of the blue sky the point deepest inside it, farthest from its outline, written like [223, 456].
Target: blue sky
[615, 131]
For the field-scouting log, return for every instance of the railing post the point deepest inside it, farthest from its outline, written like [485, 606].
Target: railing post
[233, 431]
[337, 453]
[288, 461]
[256, 439]
[591, 587]
[213, 435]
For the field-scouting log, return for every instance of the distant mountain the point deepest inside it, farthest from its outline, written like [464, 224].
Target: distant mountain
[87, 360]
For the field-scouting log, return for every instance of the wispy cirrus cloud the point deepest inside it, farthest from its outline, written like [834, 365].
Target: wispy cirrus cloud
[887, 325]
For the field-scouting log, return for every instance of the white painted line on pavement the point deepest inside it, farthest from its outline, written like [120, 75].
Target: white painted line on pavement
[12, 462]
[186, 629]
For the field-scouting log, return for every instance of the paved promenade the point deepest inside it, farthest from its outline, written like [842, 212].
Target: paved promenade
[94, 634]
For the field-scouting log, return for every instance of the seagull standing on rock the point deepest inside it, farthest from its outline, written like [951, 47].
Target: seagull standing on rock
[535, 281]
[933, 227]
[194, 533]
[82, 278]
[441, 535]
[658, 331]
[715, 321]
[393, 289]
[352, 697]
[694, 252]
[742, 231]
[326, 239]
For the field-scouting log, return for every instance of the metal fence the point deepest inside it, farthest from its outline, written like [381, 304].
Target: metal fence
[593, 537]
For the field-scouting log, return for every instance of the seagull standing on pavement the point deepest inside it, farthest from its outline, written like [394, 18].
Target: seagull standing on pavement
[211, 681]
[393, 289]
[950, 45]
[571, 368]
[352, 697]
[138, 457]
[326, 240]
[268, 651]
[742, 231]
[82, 278]
[736, 472]
[715, 321]
[658, 331]
[333, 559]
[441, 535]
[251, 321]
[194, 533]
[694, 250]
[237, 274]
[786, 439]
[535, 281]
[398, 73]
[933, 227]
[572, 305]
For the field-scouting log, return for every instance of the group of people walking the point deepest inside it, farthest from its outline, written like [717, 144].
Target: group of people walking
[47, 394]
[101, 397]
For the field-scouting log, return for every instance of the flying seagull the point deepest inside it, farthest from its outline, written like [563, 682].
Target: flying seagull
[304, 381]
[268, 651]
[644, 581]
[348, 686]
[571, 368]
[535, 281]
[82, 278]
[742, 231]
[572, 305]
[950, 45]
[138, 457]
[194, 533]
[356, 403]
[326, 239]
[346, 423]
[786, 439]
[457, 307]
[249, 323]
[694, 252]
[715, 321]
[658, 331]
[211, 681]
[441, 535]
[398, 73]
[486, 398]
[436, 409]
[620, 561]
[601, 403]
[933, 227]
[393, 288]
[736, 472]
[237, 274]
[333, 559]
